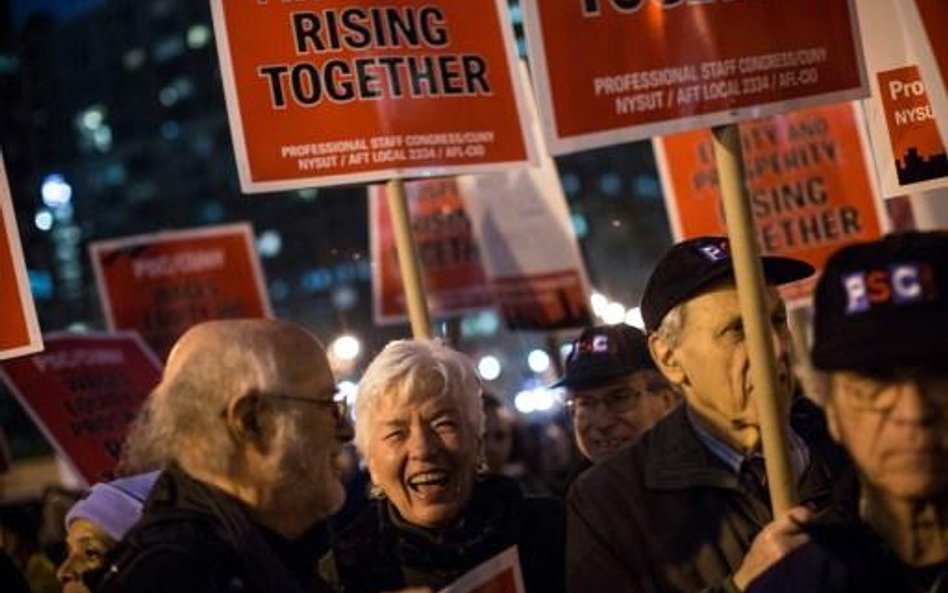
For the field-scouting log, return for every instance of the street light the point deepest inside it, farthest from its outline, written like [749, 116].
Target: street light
[488, 367]
[346, 347]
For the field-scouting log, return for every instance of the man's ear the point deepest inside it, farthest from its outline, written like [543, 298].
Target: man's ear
[666, 359]
[250, 418]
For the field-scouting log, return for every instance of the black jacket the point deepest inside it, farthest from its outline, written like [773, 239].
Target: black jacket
[845, 555]
[195, 538]
[381, 552]
[666, 516]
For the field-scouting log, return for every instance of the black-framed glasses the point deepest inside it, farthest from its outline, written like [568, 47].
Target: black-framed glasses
[338, 407]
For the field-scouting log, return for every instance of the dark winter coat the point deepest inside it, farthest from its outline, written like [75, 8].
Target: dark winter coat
[845, 555]
[666, 516]
[380, 551]
[193, 538]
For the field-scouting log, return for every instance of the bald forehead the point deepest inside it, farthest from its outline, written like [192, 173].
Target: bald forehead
[268, 350]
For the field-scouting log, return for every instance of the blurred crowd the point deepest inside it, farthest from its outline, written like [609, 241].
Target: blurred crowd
[245, 472]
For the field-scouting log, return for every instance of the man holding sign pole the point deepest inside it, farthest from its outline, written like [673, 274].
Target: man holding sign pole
[686, 509]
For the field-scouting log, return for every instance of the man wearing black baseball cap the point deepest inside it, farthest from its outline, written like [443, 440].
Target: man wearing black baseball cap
[881, 335]
[614, 392]
[686, 509]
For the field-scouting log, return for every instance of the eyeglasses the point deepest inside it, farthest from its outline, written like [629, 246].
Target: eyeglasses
[338, 407]
[617, 401]
[879, 392]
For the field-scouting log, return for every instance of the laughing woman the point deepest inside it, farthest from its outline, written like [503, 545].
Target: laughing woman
[435, 515]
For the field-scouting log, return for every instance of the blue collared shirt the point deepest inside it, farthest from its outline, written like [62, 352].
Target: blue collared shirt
[799, 452]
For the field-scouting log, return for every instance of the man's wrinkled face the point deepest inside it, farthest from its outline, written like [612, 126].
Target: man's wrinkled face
[895, 427]
[608, 416]
[311, 435]
[714, 360]
[422, 452]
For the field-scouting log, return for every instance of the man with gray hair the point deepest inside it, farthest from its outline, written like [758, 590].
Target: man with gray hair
[686, 508]
[247, 428]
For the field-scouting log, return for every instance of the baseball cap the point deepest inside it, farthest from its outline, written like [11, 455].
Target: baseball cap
[603, 353]
[114, 506]
[692, 265]
[883, 304]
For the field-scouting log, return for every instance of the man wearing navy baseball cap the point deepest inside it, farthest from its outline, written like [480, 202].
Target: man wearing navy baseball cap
[613, 391]
[686, 508]
[881, 335]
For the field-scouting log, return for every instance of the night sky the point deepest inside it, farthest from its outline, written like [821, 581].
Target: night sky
[63, 9]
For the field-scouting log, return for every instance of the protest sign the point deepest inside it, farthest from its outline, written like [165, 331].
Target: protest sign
[909, 153]
[500, 574]
[612, 71]
[536, 270]
[522, 222]
[356, 91]
[82, 392]
[451, 268]
[161, 284]
[19, 331]
[925, 23]
[811, 188]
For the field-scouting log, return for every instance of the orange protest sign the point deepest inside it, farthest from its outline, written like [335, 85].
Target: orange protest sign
[451, 268]
[611, 71]
[909, 151]
[913, 133]
[162, 284]
[810, 187]
[925, 24]
[83, 392]
[355, 91]
[19, 331]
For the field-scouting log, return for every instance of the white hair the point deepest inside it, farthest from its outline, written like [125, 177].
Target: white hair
[672, 325]
[418, 368]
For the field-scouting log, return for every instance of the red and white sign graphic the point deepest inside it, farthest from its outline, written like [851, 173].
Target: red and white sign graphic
[612, 71]
[811, 188]
[346, 91]
[161, 284]
[83, 392]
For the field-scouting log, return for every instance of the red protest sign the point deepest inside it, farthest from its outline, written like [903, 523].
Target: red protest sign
[925, 23]
[355, 91]
[19, 331]
[451, 268]
[811, 190]
[83, 392]
[162, 284]
[611, 71]
[913, 133]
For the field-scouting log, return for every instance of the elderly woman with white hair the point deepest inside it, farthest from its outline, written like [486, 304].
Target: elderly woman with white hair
[435, 514]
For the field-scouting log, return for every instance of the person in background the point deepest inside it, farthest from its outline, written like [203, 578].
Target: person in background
[499, 433]
[686, 508]
[614, 392]
[436, 515]
[20, 545]
[95, 524]
[881, 337]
